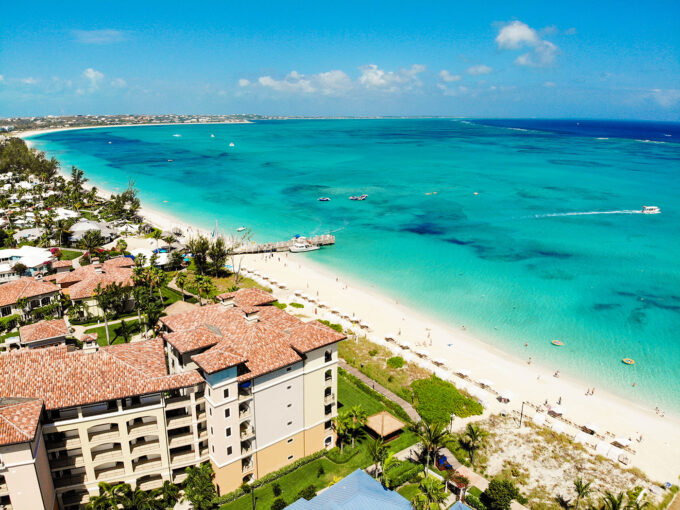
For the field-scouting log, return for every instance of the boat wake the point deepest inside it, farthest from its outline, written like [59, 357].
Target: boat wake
[584, 213]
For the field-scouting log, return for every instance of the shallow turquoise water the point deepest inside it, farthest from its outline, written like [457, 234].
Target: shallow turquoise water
[607, 285]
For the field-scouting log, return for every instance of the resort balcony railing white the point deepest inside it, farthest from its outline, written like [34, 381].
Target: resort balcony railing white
[144, 447]
[329, 399]
[142, 428]
[151, 484]
[182, 458]
[177, 402]
[70, 481]
[4, 490]
[103, 435]
[179, 421]
[110, 473]
[64, 444]
[181, 440]
[146, 465]
[244, 394]
[76, 499]
[74, 461]
[249, 466]
[247, 433]
[107, 455]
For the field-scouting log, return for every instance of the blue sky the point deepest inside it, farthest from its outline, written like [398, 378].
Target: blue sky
[486, 59]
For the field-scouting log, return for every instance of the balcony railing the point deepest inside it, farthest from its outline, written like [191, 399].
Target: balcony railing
[329, 399]
[64, 444]
[151, 484]
[103, 435]
[181, 458]
[144, 447]
[146, 465]
[247, 466]
[113, 472]
[245, 393]
[179, 478]
[177, 402]
[179, 421]
[68, 481]
[76, 499]
[244, 412]
[247, 433]
[67, 462]
[4, 491]
[180, 440]
[142, 428]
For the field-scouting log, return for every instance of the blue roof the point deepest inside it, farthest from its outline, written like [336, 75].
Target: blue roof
[460, 506]
[358, 491]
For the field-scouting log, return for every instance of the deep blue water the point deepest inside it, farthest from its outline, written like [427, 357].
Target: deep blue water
[470, 222]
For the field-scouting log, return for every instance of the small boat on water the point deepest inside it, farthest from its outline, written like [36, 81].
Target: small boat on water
[360, 197]
[558, 343]
[302, 245]
[628, 361]
[212, 136]
[232, 144]
[240, 229]
[650, 209]
[177, 136]
[324, 199]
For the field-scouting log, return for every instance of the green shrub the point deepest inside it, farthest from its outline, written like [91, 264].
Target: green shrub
[395, 362]
[297, 305]
[499, 494]
[320, 472]
[282, 306]
[473, 501]
[279, 504]
[348, 454]
[436, 400]
[276, 489]
[400, 473]
[396, 409]
[372, 352]
[336, 327]
[308, 492]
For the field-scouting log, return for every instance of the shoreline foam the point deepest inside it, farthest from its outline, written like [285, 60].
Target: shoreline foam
[532, 383]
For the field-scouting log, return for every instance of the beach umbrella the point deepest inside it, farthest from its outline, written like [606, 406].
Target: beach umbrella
[621, 441]
[422, 353]
[539, 419]
[439, 361]
[336, 311]
[464, 372]
[362, 324]
[297, 292]
[558, 427]
[614, 453]
[557, 410]
[507, 395]
[485, 382]
[593, 428]
[322, 304]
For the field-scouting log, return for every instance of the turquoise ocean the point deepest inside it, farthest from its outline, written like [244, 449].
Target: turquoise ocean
[524, 231]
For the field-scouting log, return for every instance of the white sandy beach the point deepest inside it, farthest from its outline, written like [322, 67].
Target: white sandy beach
[658, 454]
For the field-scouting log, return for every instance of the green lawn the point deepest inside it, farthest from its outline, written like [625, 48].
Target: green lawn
[171, 296]
[113, 332]
[408, 491]
[292, 483]
[69, 254]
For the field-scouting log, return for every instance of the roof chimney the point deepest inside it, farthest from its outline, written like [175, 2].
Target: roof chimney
[252, 316]
[98, 268]
[228, 302]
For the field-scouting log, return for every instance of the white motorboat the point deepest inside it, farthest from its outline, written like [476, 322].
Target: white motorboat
[302, 245]
[650, 209]
[232, 144]
[240, 229]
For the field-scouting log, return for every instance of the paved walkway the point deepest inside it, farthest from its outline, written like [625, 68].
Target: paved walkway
[382, 390]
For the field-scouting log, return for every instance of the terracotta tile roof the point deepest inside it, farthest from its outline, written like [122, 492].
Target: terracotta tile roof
[89, 337]
[271, 340]
[19, 419]
[80, 284]
[119, 262]
[63, 378]
[26, 287]
[248, 297]
[43, 330]
[62, 263]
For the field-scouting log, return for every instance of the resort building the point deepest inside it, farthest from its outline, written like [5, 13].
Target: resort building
[79, 285]
[111, 415]
[249, 388]
[44, 333]
[271, 382]
[33, 259]
[38, 293]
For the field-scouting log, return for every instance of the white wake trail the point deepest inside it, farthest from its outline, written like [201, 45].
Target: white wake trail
[585, 213]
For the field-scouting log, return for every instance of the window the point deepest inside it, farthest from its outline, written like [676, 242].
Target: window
[289, 423]
[290, 457]
[290, 440]
[6, 310]
[227, 413]
[289, 387]
[229, 450]
[226, 393]
[211, 430]
[289, 405]
[329, 425]
[228, 432]
[208, 391]
[289, 369]
[210, 411]
[328, 356]
[213, 448]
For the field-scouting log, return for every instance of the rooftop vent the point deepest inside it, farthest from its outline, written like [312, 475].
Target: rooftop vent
[252, 316]
[228, 302]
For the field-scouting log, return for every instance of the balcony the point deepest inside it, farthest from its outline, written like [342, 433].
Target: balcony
[4, 491]
[142, 447]
[247, 433]
[149, 483]
[244, 412]
[76, 499]
[67, 443]
[146, 465]
[70, 480]
[181, 458]
[179, 478]
[329, 399]
[247, 465]
[108, 473]
[201, 416]
[179, 421]
[245, 393]
[97, 409]
[177, 402]
[247, 447]
[104, 435]
[180, 440]
[74, 461]
[142, 428]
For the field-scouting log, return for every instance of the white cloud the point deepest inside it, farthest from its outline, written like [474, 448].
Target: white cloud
[448, 77]
[480, 69]
[549, 84]
[333, 82]
[293, 82]
[666, 97]
[29, 81]
[516, 35]
[2, 78]
[243, 82]
[93, 76]
[107, 36]
[118, 83]
[372, 77]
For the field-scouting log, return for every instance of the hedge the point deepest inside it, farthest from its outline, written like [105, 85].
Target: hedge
[392, 406]
[473, 501]
[436, 400]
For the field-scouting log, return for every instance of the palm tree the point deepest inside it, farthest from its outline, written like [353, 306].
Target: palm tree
[447, 475]
[92, 239]
[204, 285]
[181, 281]
[433, 437]
[613, 501]
[378, 451]
[61, 227]
[473, 440]
[121, 245]
[582, 490]
[563, 502]
[157, 235]
[358, 418]
[431, 492]
[341, 427]
[161, 278]
[169, 494]
[104, 299]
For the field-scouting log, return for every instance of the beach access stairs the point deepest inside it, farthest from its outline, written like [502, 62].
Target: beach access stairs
[323, 240]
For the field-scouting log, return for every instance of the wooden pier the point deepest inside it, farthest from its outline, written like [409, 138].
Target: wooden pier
[323, 240]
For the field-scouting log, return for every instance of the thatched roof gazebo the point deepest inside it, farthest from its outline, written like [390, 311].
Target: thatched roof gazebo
[384, 425]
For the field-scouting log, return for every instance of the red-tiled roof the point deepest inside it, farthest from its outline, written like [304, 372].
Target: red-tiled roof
[43, 330]
[26, 287]
[82, 282]
[62, 263]
[273, 340]
[248, 297]
[63, 378]
[19, 420]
